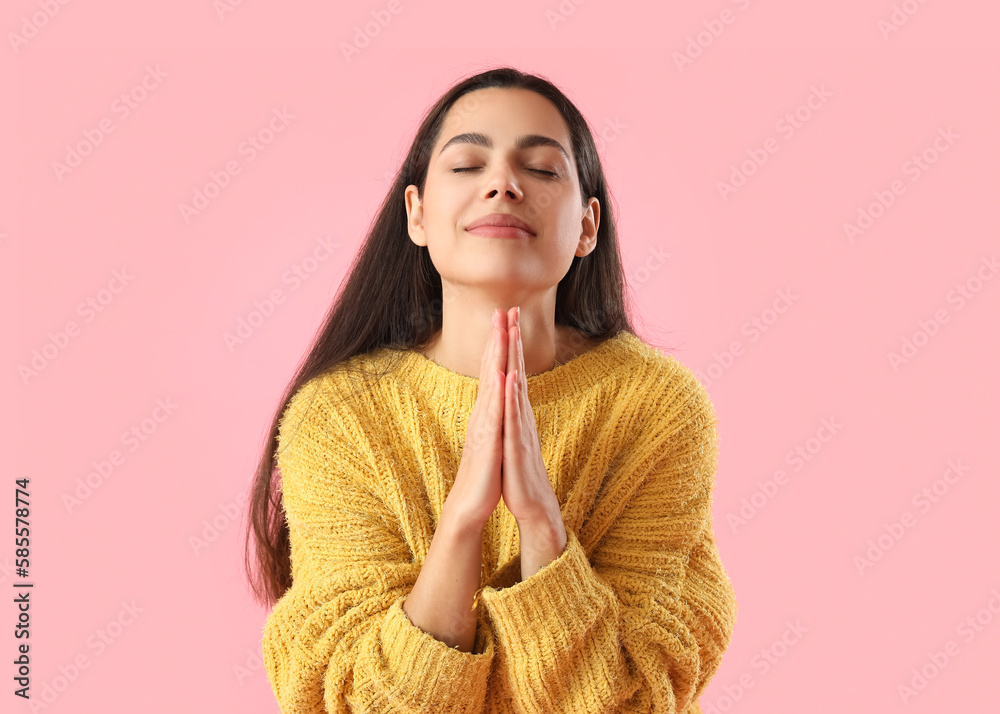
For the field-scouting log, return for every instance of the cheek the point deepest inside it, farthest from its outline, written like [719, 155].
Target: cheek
[564, 216]
[566, 233]
[551, 257]
[443, 211]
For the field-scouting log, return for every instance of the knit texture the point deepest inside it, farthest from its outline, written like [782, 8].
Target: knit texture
[633, 616]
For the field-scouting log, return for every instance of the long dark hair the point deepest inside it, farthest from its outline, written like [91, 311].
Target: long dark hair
[392, 298]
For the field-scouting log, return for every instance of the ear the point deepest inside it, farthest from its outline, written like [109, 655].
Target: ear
[589, 224]
[414, 215]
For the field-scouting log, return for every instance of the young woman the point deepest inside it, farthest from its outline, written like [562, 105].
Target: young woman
[483, 492]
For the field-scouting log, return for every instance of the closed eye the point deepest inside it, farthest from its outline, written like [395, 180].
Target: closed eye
[476, 168]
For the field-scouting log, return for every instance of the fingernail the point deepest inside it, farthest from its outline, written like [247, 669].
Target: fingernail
[517, 315]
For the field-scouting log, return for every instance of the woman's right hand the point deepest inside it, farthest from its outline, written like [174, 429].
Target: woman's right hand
[477, 488]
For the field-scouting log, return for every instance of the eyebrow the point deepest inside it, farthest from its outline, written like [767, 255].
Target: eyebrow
[524, 141]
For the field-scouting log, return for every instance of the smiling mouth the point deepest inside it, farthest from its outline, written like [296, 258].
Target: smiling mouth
[499, 232]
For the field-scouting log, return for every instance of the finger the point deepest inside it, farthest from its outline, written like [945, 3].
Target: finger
[493, 392]
[517, 353]
[510, 409]
[513, 356]
[501, 354]
[486, 364]
[521, 374]
[496, 400]
[512, 351]
[511, 339]
[512, 347]
[486, 424]
[490, 380]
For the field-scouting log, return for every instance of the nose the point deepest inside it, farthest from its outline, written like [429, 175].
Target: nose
[502, 180]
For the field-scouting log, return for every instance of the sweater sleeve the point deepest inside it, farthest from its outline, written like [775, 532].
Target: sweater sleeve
[641, 624]
[338, 640]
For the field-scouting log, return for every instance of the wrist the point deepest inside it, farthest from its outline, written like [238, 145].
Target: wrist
[546, 524]
[545, 531]
[459, 525]
[541, 543]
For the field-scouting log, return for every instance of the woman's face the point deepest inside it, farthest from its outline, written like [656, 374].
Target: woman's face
[477, 168]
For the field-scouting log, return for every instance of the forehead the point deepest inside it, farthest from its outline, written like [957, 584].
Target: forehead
[504, 115]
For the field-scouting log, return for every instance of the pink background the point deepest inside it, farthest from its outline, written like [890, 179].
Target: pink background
[670, 135]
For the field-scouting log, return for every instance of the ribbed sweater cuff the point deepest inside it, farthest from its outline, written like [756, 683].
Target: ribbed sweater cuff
[430, 674]
[534, 617]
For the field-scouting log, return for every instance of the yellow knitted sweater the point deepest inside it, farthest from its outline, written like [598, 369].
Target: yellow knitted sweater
[633, 616]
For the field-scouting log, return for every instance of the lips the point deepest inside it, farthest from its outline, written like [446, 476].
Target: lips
[500, 220]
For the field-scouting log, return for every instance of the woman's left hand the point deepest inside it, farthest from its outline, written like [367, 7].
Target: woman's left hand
[526, 490]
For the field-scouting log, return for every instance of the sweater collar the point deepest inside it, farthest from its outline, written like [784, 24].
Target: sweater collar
[572, 377]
